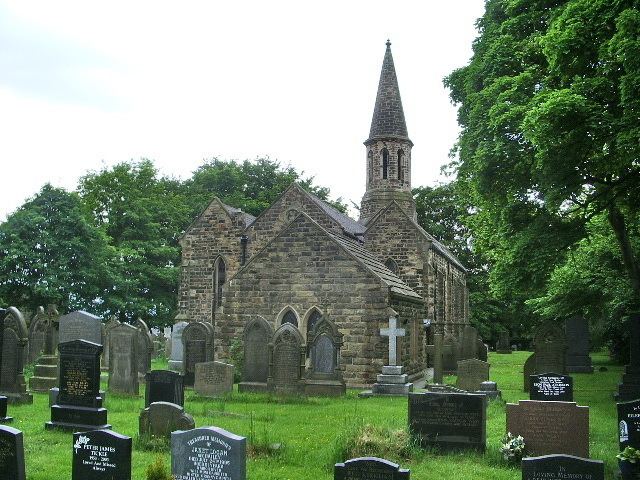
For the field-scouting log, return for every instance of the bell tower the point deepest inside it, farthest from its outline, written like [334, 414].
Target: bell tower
[388, 149]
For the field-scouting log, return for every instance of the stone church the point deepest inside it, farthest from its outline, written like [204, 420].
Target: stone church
[302, 260]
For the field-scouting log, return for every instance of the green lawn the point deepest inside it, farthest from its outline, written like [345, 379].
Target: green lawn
[313, 431]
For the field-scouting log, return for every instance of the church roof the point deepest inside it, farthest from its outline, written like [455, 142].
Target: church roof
[247, 218]
[388, 115]
[348, 224]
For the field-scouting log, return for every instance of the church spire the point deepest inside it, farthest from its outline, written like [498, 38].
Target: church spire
[388, 115]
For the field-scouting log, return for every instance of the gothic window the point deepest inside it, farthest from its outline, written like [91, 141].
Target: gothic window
[290, 317]
[219, 278]
[400, 170]
[385, 163]
[314, 318]
[391, 264]
[370, 166]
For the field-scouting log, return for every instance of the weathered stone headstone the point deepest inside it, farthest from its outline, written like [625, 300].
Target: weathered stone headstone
[145, 348]
[550, 348]
[177, 352]
[213, 379]
[578, 359]
[101, 455]
[13, 341]
[37, 333]
[3, 410]
[208, 453]
[11, 454]
[161, 418]
[483, 350]
[324, 376]
[435, 353]
[504, 343]
[79, 405]
[629, 424]
[286, 365]
[448, 420]
[550, 427]
[449, 354]
[197, 341]
[123, 364]
[528, 369]
[257, 337]
[551, 387]
[471, 373]
[392, 380]
[629, 389]
[562, 467]
[45, 374]
[369, 468]
[164, 386]
[80, 325]
[111, 324]
[468, 345]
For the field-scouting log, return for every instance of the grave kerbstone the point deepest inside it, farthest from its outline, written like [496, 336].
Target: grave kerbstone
[13, 342]
[561, 467]
[369, 468]
[3, 410]
[287, 357]
[550, 427]
[161, 418]
[213, 379]
[255, 371]
[629, 424]
[504, 343]
[471, 373]
[123, 363]
[551, 387]
[629, 388]
[208, 453]
[324, 376]
[177, 352]
[101, 455]
[578, 359]
[449, 421]
[197, 342]
[11, 454]
[164, 386]
[80, 325]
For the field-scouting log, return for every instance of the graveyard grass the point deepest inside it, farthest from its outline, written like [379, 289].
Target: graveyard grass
[314, 432]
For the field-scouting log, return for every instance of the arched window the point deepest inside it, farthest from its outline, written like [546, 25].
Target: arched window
[400, 169]
[290, 317]
[219, 278]
[370, 166]
[385, 163]
[391, 264]
[313, 319]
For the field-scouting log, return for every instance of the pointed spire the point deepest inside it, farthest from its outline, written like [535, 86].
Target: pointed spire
[388, 116]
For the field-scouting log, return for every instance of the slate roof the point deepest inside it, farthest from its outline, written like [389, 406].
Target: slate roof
[233, 211]
[348, 224]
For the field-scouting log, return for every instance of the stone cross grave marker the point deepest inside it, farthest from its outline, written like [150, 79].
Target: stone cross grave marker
[11, 454]
[213, 379]
[629, 389]
[123, 363]
[393, 332]
[449, 421]
[550, 427]
[629, 424]
[471, 373]
[208, 453]
[368, 468]
[80, 325]
[101, 455]
[562, 467]
[164, 386]
[551, 387]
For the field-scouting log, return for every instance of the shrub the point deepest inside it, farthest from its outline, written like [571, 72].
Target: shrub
[158, 471]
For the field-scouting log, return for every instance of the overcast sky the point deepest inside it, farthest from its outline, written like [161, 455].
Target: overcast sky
[85, 85]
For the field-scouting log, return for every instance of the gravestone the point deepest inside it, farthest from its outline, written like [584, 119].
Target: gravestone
[37, 333]
[483, 350]
[197, 342]
[208, 453]
[177, 352]
[164, 386]
[106, 356]
[449, 354]
[448, 421]
[161, 418]
[629, 389]
[3, 410]
[504, 343]
[79, 405]
[562, 467]
[392, 380]
[13, 342]
[578, 359]
[80, 325]
[324, 376]
[551, 387]
[11, 454]
[45, 373]
[213, 379]
[469, 342]
[471, 374]
[123, 364]
[101, 455]
[629, 424]
[369, 468]
[286, 361]
[528, 369]
[255, 371]
[550, 427]
[550, 346]
[145, 348]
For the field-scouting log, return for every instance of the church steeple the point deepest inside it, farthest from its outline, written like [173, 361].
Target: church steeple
[388, 148]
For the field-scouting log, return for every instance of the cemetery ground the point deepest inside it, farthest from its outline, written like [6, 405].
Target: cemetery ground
[314, 433]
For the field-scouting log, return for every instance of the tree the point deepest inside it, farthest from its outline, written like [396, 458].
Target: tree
[51, 253]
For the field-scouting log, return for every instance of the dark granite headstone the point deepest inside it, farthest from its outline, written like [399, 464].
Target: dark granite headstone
[79, 405]
[629, 424]
[528, 369]
[101, 455]
[197, 340]
[11, 454]
[629, 389]
[448, 420]
[369, 468]
[287, 361]
[208, 453]
[164, 386]
[550, 348]
[577, 331]
[551, 387]
[562, 467]
[471, 373]
[161, 418]
[257, 336]
[123, 364]
[3, 410]
[80, 325]
[550, 427]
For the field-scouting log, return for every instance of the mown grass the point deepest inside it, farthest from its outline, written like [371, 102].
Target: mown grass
[300, 439]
